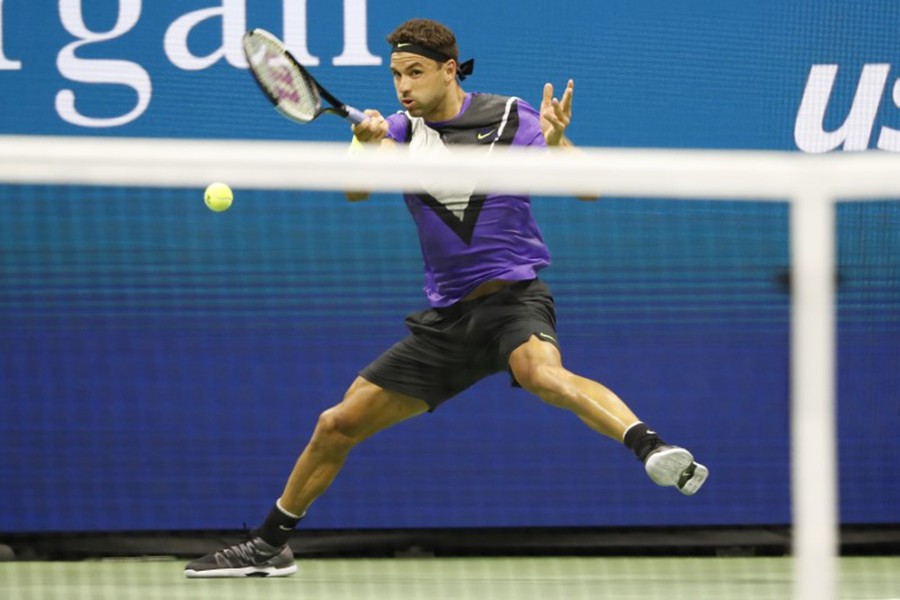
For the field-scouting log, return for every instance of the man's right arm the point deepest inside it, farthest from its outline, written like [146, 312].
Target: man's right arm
[369, 135]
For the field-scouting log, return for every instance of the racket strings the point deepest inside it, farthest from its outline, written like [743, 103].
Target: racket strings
[284, 82]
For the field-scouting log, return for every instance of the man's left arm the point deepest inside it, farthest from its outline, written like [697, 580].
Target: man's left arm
[556, 114]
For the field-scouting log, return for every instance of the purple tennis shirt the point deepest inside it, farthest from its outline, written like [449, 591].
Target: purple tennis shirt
[468, 239]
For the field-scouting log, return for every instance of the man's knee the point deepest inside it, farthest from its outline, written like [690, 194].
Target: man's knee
[537, 367]
[530, 378]
[548, 382]
[336, 431]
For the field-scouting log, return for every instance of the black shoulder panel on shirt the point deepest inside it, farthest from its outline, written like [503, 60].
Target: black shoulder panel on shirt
[488, 119]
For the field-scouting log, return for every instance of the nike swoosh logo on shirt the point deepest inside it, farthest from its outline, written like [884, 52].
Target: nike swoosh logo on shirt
[481, 136]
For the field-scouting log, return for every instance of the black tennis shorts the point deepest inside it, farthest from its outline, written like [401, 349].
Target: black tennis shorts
[449, 349]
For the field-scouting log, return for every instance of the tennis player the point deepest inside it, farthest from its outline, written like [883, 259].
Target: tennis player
[489, 312]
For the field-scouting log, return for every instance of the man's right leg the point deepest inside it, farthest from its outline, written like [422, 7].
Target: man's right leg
[365, 410]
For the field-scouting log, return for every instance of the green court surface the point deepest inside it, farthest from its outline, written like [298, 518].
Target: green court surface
[569, 578]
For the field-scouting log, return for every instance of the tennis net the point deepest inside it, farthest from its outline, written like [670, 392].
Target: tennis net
[743, 300]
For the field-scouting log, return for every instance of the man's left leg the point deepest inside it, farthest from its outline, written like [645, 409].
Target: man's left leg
[537, 367]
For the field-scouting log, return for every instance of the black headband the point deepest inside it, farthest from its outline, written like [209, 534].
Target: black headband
[463, 70]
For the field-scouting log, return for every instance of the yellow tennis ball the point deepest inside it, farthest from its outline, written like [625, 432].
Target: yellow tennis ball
[218, 196]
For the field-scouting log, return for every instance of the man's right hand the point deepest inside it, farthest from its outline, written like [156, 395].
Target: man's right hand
[373, 129]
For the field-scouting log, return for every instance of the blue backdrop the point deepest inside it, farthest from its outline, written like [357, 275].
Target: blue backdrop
[163, 366]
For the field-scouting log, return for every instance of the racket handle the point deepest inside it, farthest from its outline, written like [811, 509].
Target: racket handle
[355, 116]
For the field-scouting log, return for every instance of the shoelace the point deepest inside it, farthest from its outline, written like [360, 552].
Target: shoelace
[246, 551]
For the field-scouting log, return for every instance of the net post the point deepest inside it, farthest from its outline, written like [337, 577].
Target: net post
[814, 499]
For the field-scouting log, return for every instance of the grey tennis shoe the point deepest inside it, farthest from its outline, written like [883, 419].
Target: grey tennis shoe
[675, 466]
[252, 558]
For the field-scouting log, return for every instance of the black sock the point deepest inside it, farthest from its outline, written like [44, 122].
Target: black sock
[276, 530]
[640, 440]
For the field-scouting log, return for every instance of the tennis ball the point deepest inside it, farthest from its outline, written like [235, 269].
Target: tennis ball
[218, 197]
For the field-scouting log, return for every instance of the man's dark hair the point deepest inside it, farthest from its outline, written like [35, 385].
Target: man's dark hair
[428, 34]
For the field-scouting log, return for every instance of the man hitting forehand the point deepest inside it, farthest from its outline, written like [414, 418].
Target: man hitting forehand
[487, 309]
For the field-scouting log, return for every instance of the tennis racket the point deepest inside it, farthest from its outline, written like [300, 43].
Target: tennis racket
[289, 86]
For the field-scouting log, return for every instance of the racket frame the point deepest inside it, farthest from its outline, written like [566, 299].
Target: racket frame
[335, 106]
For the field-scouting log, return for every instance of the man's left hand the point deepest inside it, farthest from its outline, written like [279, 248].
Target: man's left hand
[556, 114]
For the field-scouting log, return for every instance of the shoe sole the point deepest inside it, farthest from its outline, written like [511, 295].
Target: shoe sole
[242, 572]
[692, 479]
[675, 467]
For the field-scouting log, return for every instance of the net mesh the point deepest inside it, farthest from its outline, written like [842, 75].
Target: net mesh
[146, 337]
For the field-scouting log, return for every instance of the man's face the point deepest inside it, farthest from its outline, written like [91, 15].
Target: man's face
[421, 83]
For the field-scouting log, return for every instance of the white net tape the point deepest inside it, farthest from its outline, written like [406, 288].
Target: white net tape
[688, 174]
